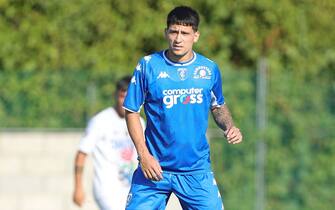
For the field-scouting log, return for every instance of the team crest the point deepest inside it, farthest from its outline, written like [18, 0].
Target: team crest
[202, 72]
[182, 73]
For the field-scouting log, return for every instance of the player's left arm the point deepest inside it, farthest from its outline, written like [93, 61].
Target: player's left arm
[224, 120]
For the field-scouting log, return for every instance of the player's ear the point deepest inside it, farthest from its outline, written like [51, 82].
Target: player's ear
[196, 36]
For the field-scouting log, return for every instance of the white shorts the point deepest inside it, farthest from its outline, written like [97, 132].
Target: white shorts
[115, 200]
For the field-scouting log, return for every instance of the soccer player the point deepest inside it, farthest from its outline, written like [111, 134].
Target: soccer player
[114, 155]
[177, 87]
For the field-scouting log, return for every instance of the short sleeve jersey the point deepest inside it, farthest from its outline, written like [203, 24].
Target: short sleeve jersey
[177, 98]
[114, 156]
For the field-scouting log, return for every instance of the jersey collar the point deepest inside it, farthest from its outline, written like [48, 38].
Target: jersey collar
[179, 63]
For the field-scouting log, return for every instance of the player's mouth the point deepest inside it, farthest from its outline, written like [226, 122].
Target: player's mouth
[177, 47]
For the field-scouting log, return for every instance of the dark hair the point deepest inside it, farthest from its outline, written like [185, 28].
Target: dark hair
[122, 84]
[183, 15]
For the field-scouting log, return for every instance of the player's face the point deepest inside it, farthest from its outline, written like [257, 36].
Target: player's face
[120, 96]
[181, 39]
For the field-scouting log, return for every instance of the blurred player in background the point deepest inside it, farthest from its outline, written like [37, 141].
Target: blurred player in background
[177, 88]
[114, 156]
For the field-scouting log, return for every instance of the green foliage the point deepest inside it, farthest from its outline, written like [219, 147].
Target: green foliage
[59, 61]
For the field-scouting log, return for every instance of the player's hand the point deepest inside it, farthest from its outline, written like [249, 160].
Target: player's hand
[233, 135]
[78, 197]
[151, 168]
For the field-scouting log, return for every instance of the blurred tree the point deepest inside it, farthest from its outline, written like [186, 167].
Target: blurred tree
[59, 61]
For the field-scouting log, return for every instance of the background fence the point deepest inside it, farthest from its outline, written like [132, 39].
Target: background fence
[36, 171]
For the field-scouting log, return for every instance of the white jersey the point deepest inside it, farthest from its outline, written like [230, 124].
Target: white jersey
[114, 157]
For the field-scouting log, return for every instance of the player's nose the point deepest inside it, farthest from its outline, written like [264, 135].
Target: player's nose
[179, 37]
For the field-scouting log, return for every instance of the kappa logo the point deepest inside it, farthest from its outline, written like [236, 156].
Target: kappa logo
[133, 80]
[202, 72]
[147, 58]
[163, 75]
[138, 67]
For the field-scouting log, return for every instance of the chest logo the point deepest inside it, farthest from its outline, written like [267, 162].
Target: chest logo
[182, 73]
[202, 72]
[173, 97]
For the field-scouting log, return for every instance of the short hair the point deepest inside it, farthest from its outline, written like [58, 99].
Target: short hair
[183, 15]
[122, 84]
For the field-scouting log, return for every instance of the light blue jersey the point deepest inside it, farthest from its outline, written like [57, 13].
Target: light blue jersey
[177, 98]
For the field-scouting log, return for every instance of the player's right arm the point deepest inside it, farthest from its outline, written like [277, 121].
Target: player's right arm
[149, 165]
[78, 193]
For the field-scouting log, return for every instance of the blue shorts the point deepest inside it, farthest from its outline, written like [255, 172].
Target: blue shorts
[194, 191]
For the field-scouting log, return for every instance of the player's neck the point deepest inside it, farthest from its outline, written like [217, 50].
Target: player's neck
[179, 58]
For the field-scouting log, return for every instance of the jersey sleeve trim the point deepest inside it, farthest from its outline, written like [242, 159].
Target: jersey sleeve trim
[131, 110]
[213, 106]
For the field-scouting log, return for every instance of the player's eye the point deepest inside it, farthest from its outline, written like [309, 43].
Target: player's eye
[173, 32]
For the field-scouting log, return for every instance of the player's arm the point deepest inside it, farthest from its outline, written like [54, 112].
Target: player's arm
[78, 194]
[223, 119]
[149, 165]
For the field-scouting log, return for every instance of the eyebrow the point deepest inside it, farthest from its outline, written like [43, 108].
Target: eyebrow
[175, 30]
